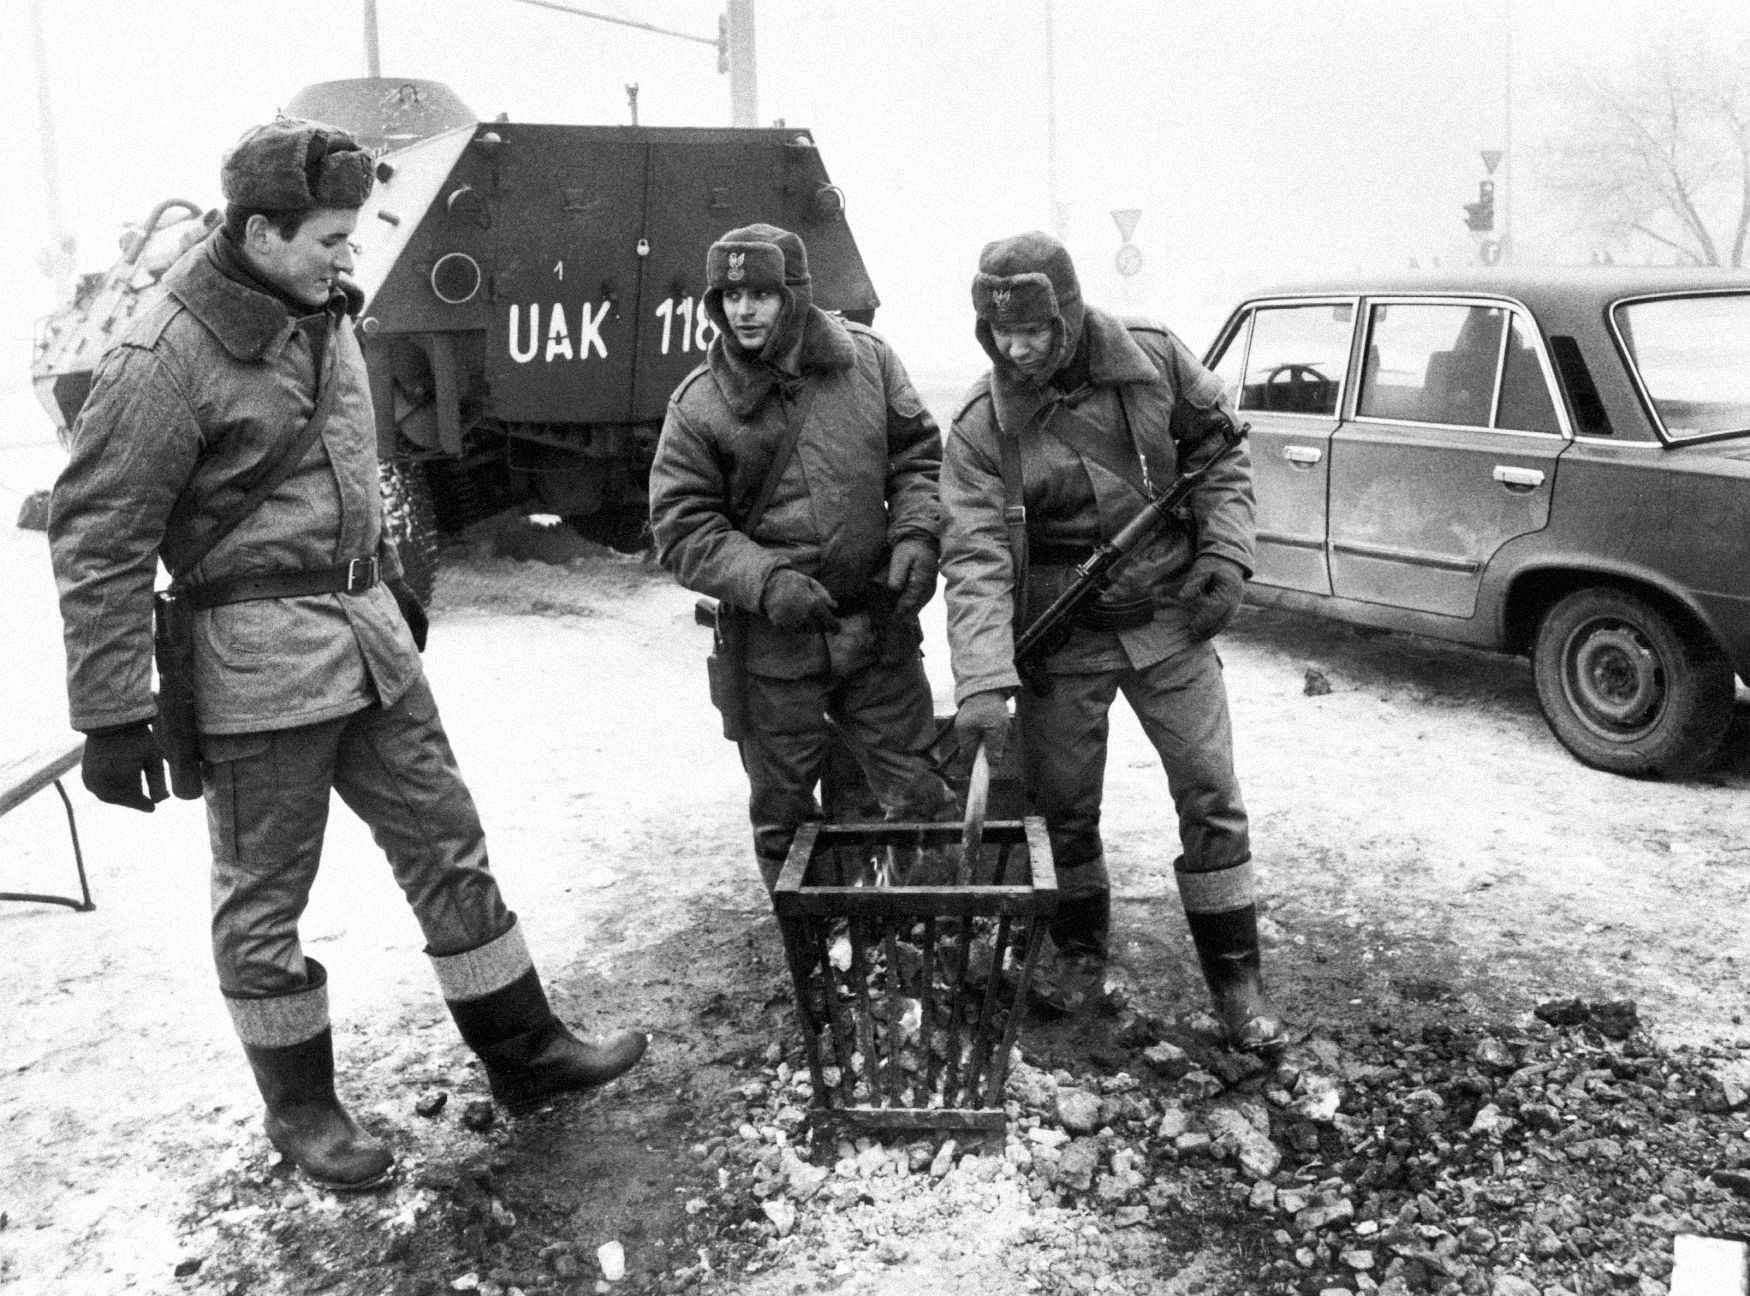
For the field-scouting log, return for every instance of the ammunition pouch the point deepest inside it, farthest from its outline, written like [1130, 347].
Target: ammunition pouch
[175, 728]
[726, 667]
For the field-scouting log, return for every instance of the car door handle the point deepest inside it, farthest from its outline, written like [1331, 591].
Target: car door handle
[1302, 456]
[1521, 479]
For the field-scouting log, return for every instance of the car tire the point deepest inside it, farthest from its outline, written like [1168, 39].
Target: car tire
[1628, 689]
[410, 520]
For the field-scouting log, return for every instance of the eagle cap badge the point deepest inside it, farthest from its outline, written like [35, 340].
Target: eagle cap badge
[737, 266]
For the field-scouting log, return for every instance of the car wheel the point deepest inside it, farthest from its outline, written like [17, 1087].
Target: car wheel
[1626, 689]
[410, 520]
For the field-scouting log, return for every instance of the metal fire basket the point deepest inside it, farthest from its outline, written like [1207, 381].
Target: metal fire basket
[909, 984]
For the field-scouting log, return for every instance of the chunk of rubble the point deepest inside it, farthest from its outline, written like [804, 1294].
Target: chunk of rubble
[1078, 1111]
[1174, 1122]
[1076, 1165]
[1168, 1059]
[1258, 1157]
[779, 1211]
[1314, 1218]
[1491, 1121]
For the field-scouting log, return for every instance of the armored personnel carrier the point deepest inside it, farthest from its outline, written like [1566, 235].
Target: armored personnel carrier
[532, 295]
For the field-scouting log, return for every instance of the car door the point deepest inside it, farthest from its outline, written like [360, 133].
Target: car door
[1451, 452]
[1284, 365]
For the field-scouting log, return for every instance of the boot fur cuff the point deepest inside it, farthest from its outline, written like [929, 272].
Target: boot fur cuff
[1219, 892]
[280, 1021]
[478, 972]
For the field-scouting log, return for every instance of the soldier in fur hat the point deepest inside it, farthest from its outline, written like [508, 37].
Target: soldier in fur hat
[827, 574]
[305, 642]
[1081, 419]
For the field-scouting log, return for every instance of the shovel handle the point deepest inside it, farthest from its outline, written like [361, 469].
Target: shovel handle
[977, 797]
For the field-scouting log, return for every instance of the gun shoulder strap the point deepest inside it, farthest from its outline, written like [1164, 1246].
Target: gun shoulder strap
[278, 469]
[1014, 513]
[796, 414]
[1133, 473]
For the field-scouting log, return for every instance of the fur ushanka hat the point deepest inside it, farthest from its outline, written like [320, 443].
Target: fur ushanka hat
[295, 165]
[764, 258]
[1025, 280]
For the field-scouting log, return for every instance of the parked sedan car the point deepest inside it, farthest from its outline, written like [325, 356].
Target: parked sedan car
[1546, 462]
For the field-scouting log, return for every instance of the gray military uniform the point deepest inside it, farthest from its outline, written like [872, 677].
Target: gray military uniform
[295, 696]
[1088, 457]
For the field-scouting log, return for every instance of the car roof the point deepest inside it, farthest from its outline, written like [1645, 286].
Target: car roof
[1563, 288]
[1562, 299]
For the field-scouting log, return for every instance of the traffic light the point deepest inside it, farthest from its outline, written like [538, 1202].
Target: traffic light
[1480, 215]
[723, 42]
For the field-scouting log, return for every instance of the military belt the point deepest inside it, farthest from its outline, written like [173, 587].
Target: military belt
[353, 577]
[1058, 553]
[1101, 613]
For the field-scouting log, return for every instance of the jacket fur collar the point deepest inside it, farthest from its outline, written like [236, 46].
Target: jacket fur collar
[745, 382]
[1114, 359]
[247, 322]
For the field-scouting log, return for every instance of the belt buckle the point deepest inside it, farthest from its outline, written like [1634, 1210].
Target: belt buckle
[361, 574]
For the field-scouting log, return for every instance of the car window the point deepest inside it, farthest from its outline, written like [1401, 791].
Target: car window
[1431, 363]
[1526, 404]
[1297, 358]
[1693, 356]
[1226, 365]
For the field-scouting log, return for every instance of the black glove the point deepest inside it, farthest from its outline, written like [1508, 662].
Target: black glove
[1212, 592]
[911, 574]
[412, 610]
[983, 717]
[114, 760]
[794, 602]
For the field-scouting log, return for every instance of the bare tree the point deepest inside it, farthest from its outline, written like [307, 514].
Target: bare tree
[1661, 155]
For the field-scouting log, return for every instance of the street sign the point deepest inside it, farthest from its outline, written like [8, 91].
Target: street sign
[1128, 260]
[1126, 222]
[1492, 159]
[1489, 252]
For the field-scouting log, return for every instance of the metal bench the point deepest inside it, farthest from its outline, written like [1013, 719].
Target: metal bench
[22, 778]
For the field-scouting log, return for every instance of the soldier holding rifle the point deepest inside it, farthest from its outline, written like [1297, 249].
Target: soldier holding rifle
[1082, 420]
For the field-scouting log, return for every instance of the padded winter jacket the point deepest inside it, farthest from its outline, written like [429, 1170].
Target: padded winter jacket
[189, 406]
[1148, 405]
[863, 477]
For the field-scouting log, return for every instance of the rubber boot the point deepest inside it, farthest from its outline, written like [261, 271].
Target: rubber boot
[1082, 926]
[306, 1122]
[531, 1055]
[1227, 949]
[1076, 976]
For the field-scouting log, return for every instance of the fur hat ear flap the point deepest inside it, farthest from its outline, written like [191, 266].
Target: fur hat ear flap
[295, 165]
[345, 178]
[759, 266]
[1014, 301]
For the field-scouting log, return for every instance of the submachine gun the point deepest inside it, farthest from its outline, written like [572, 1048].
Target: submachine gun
[1095, 573]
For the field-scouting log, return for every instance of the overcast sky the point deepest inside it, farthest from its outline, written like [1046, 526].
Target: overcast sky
[1261, 140]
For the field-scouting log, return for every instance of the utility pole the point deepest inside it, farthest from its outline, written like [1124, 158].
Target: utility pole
[373, 63]
[1059, 216]
[58, 256]
[1507, 142]
[744, 98]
